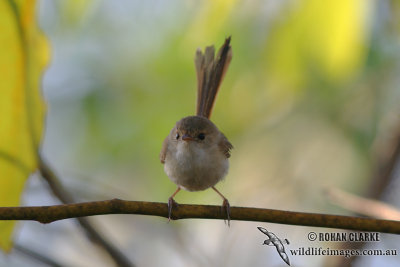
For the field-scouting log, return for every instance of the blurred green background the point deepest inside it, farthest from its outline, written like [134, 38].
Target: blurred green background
[311, 94]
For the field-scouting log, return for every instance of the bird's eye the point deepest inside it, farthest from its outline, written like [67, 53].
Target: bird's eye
[177, 136]
[201, 136]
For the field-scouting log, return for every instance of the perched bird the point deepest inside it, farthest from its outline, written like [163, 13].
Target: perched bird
[195, 153]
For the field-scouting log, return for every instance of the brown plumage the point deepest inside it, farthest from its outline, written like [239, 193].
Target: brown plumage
[210, 73]
[195, 153]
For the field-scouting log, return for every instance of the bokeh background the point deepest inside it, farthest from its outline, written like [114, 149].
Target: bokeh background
[310, 102]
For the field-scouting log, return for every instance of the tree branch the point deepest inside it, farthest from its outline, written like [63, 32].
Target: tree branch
[48, 214]
[58, 190]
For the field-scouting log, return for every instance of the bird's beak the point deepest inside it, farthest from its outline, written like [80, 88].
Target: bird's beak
[186, 137]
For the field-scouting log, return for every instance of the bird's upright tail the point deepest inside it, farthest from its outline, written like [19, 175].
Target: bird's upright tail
[210, 73]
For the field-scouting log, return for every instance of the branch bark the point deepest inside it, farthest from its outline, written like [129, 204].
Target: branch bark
[94, 235]
[48, 214]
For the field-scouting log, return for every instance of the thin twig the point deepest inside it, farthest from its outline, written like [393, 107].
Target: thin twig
[48, 214]
[36, 255]
[55, 185]
[386, 165]
[387, 161]
[364, 206]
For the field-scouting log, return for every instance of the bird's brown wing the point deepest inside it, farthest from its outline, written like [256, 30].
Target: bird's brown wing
[164, 148]
[225, 146]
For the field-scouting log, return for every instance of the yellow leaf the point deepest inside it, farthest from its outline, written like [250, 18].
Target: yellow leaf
[327, 36]
[23, 55]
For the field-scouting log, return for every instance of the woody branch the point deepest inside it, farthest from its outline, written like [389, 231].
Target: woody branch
[48, 214]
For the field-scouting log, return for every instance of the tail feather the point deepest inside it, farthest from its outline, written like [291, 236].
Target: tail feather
[210, 73]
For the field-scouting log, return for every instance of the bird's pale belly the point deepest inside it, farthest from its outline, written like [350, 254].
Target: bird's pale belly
[195, 171]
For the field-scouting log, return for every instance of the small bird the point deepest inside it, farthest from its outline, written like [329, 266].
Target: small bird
[195, 153]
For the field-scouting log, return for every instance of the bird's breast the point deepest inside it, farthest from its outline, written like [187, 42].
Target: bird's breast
[196, 168]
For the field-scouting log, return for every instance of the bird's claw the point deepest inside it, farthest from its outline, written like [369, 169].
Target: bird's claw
[226, 207]
[171, 204]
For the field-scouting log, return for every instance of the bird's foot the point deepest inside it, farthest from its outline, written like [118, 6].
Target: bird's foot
[226, 207]
[171, 203]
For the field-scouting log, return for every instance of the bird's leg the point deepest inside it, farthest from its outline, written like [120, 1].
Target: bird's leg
[225, 206]
[172, 202]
